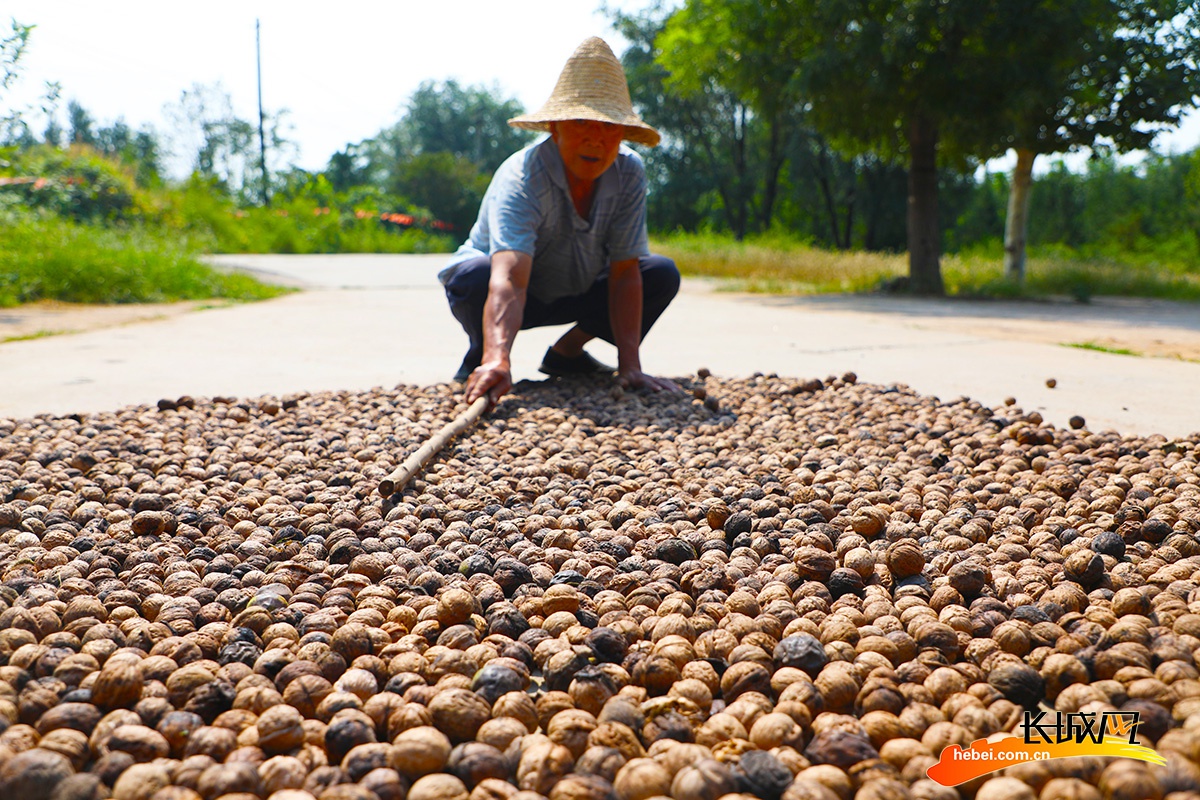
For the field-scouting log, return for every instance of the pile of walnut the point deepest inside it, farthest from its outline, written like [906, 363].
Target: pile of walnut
[789, 590]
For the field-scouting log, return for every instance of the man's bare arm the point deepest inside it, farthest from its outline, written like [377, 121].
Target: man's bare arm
[625, 316]
[502, 316]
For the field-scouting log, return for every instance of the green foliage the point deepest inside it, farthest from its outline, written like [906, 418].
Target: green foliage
[440, 155]
[309, 218]
[449, 185]
[469, 122]
[54, 258]
[12, 48]
[77, 183]
[1099, 73]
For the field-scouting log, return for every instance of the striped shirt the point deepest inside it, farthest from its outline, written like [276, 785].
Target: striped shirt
[528, 208]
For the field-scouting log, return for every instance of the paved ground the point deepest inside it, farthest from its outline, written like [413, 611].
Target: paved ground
[381, 320]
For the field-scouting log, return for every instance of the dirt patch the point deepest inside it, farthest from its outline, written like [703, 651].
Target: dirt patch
[1177, 343]
[51, 318]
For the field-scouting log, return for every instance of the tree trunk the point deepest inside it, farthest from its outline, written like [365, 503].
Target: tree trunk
[924, 236]
[1016, 223]
[849, 226]
[774, 165]
[741, 212]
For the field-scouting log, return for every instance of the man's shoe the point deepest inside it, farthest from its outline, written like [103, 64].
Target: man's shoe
[469, 363]
[559, 365]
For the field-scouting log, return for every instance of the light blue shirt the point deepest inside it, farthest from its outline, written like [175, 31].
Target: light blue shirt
[528, 208]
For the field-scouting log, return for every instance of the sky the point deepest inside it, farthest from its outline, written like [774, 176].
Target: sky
[343, 71]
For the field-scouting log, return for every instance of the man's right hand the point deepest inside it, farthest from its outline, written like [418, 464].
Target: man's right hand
[491, 379]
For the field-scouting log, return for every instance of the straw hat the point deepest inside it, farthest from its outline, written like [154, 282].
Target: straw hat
[592, 86]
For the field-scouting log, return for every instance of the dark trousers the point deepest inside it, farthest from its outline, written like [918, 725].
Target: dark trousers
[467, 293]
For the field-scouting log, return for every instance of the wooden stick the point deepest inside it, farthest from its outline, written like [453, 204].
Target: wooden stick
[413, 464]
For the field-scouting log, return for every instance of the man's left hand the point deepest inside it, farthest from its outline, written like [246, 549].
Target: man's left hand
[636, 379]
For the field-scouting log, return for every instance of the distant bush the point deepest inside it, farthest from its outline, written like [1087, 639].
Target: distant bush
[344, 222]
[76, 183]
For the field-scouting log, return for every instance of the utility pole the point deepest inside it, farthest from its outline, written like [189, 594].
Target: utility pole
[262, 138]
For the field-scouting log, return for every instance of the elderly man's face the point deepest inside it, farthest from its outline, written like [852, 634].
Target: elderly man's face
[587, 147]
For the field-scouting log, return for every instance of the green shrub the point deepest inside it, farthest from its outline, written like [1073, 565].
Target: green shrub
[77, 183]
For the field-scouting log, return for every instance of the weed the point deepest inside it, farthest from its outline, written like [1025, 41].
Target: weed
[1099, 348]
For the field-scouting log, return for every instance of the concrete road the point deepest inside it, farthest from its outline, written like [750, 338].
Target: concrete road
[367, 321]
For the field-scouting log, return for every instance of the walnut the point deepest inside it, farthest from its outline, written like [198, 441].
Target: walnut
[438, 787]
[358, 682]
[1069, 789]
[141, 782]
[617, 736]
[387, 784]
[280, 729]
[347, 730]
[181, 793]
[455, 606]
[840, 748]
[541, 765]
[775, 729]
[81, 717]
[1127, 780]
[281, 772]
[642, 778]
[500, 732]
[744, 677]
[719, 728]
[144, 744]
[420, 751]
[211, 741]
[883, 789]
[707, 779]
[34, 773]
[493, 789]
[459, 713]
[521, 707]
[603, 761]
[365, 757]
[472, 762]
[571, 728]
[222, 779]
[582, 787]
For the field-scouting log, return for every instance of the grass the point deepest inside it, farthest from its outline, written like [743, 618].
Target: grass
[777, 266]
[1099, 348]
[55, 259]
[28, 337]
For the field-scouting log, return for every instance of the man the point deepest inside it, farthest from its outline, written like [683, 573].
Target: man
[561, 238]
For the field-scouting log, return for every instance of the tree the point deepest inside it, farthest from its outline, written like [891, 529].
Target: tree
[81, 124]
[12, 48]
[14, 125]
[449, 186]
[1094, 73]
[221, 146]
[708, 169]
[753, 94]
[924, 81]
[470, 122]
[440, 154]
